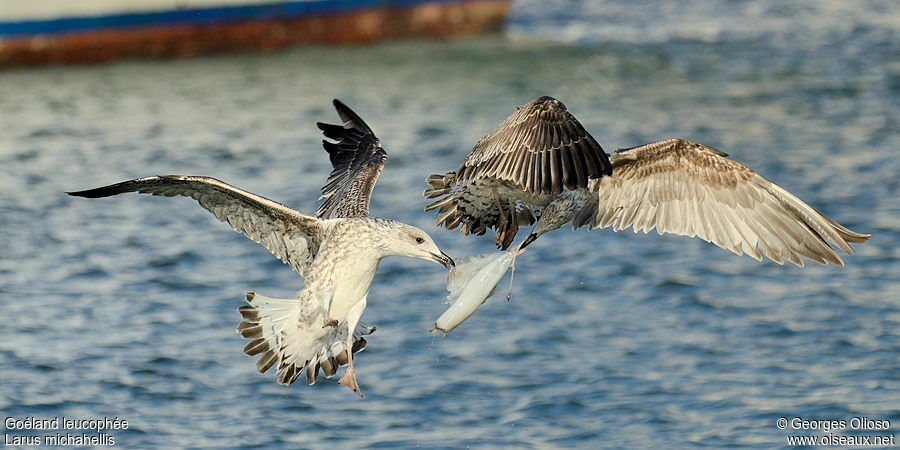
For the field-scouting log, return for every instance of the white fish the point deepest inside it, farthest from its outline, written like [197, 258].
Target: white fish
[470, 283]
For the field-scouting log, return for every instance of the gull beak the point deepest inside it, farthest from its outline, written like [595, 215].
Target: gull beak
[444, 260]
[531, 237]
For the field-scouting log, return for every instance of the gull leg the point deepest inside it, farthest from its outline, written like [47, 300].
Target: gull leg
[506, 231]
[349, 377]
[501, 219]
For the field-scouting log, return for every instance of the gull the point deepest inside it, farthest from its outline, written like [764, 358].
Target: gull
[336, 253]
[539, 155]
[540, 164]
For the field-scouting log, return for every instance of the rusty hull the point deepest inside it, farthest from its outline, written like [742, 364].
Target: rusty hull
[435, 20]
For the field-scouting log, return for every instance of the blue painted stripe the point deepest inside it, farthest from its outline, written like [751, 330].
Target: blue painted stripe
[199, 16]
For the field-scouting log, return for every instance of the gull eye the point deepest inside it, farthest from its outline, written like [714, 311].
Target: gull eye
[419, 240]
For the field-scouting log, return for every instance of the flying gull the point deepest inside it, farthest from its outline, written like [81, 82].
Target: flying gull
[540, 152]
[540, 164]
[337, 253]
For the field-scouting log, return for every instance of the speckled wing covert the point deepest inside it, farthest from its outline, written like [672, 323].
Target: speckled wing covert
[291, 236]
[682, 187]
[541, 147]
[357, 158]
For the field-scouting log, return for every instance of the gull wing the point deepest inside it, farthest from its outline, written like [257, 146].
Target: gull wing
[682, 187]
[541, 148]
[357, 158]
[291, 236]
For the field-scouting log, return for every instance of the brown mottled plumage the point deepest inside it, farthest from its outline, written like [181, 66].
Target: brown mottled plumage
[674, 186]
[291, 236]
[514, 170]
[681, 187]
[541, 148]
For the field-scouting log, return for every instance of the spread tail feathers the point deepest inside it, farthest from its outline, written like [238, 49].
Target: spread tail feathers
[473, 212]
[448, 211]
[291, 335]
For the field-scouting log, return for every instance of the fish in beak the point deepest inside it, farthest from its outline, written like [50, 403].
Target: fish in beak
[444, 260]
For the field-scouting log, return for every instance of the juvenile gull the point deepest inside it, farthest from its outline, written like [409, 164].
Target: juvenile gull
[541, 163]
[538, 155]
[337, 253]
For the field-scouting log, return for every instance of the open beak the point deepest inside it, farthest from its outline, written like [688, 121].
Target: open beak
[531, 237]
[444, 259]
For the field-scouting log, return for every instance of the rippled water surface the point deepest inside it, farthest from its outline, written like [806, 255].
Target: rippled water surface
[126, 306]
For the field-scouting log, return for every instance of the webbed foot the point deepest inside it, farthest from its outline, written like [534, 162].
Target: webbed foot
[349, 380]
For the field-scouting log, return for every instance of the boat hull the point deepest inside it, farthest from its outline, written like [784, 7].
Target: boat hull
[356, 25]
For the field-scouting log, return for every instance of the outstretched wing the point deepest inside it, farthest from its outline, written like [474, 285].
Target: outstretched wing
[541, 147]
[682, 187]
[291, 236]
[357, 158]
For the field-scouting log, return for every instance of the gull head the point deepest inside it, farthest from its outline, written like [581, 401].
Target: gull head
[407, 240]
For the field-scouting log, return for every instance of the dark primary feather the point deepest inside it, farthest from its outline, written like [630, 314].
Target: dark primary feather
[357, 159]
[541, 147]
[280, 229]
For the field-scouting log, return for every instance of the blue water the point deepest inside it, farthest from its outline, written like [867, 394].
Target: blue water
[126, 306]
